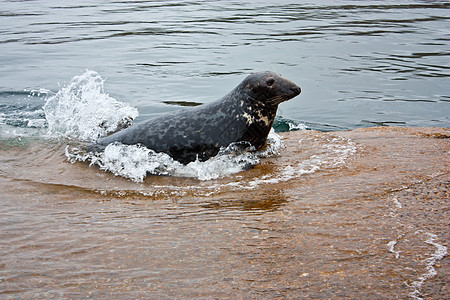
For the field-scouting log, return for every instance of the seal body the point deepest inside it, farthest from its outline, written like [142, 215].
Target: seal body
[246, 114]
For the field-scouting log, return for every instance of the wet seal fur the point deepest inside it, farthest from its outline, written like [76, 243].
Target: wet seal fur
[246, 114]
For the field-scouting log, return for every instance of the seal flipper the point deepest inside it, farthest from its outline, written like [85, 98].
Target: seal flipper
[95, 148]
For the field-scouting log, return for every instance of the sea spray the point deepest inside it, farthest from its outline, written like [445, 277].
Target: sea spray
[135, 162]
[81, 110]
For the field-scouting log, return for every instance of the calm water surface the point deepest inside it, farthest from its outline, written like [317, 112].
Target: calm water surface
[319, 220]
[359, 63]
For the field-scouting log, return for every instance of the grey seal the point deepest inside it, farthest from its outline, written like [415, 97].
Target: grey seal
[244, 115]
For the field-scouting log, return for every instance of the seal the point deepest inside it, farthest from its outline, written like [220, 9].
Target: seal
[246, 114]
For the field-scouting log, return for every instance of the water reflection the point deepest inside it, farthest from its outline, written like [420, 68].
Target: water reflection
[253, 203]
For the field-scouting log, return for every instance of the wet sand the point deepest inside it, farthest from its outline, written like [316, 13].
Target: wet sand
[374, 227]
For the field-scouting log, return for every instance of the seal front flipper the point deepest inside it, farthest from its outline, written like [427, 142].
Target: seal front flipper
[94, 148]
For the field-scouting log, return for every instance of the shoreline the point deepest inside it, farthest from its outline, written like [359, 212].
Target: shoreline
[372, 227]
[417, 159]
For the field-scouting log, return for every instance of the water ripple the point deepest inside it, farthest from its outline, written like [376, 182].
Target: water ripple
[326, 46]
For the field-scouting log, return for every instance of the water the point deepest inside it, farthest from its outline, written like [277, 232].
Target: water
[316, 214]
[359, 64]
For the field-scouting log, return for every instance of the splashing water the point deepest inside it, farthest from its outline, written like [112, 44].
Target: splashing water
[136, 161]
[83, 111]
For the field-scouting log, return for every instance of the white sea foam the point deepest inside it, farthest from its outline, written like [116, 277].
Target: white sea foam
[391, 248]
[136, 161]
[439, 253]
[82, 110]
[333, 153]
[300, 126]
[397, 203]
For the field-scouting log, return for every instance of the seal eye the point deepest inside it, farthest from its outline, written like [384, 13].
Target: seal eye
[270, 82]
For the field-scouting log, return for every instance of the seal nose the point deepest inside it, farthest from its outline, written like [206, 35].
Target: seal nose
[296, 89]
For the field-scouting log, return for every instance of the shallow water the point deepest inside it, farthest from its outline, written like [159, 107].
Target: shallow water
[357, 214]
[343, 229]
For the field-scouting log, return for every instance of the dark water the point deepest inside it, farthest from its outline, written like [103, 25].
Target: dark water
[359, 63]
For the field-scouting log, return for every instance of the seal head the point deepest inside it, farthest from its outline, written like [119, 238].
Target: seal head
[246, 115]
[270, 89]
[259, 95]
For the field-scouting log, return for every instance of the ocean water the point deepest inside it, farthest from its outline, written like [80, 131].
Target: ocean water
[359, 64]
[83, 71]
[295, 219]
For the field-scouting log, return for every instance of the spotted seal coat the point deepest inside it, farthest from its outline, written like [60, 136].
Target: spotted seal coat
[246, 114]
